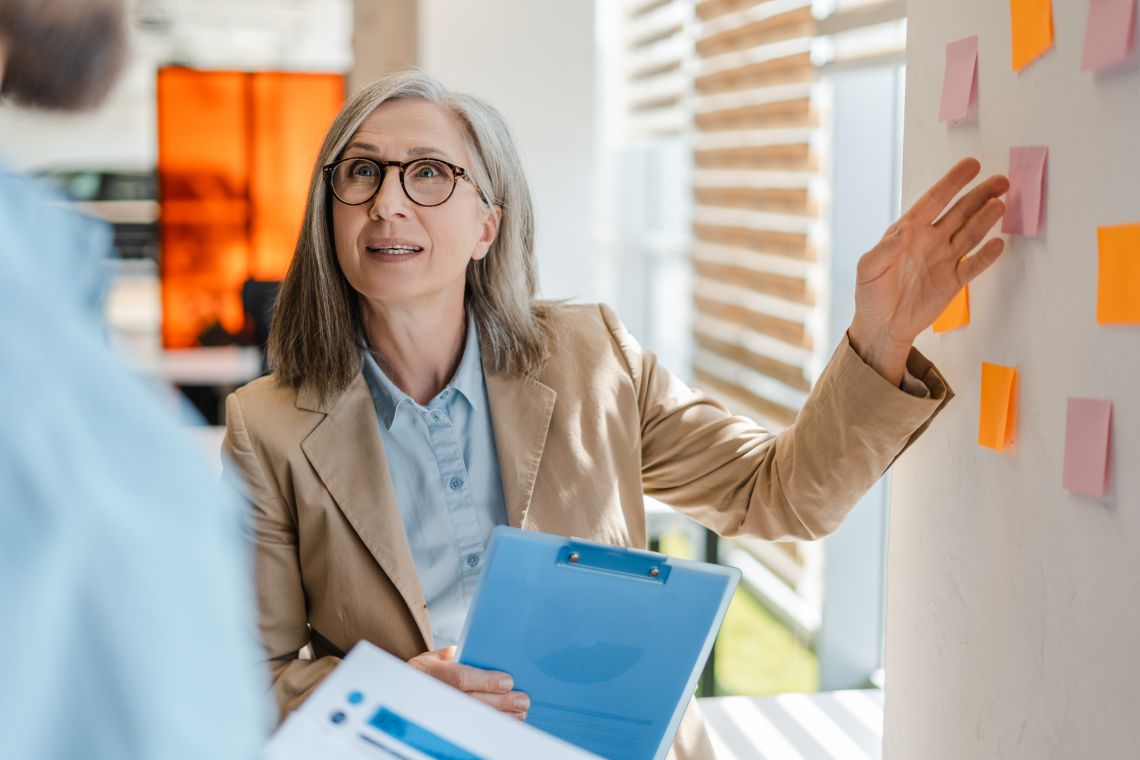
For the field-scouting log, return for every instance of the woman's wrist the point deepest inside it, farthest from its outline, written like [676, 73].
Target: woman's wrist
[881, 352]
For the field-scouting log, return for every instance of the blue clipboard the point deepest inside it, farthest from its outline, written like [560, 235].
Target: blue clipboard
[607, 641]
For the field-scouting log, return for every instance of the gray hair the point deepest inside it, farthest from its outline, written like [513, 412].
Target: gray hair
[317, 333]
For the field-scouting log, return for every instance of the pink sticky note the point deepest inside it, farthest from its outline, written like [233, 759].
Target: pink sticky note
[1088, 435]
[1025, 201]
[960, 82]
[1108, 34]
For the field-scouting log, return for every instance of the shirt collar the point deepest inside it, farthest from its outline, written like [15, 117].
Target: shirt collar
[467, 380]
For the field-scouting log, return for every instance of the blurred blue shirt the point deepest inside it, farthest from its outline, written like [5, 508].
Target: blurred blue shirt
[445, 470]
[125, 585]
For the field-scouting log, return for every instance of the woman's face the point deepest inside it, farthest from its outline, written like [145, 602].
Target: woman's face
[443, 239]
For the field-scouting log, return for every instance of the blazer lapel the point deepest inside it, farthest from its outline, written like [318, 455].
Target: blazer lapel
[346, 451]
[521, 408]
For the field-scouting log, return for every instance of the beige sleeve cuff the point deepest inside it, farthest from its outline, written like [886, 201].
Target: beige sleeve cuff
[913, 405]
[913, 386]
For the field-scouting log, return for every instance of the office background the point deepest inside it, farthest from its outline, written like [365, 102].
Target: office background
[712, 168]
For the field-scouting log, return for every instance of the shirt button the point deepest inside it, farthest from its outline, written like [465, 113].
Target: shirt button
[456, 484]
[437, 416]
[472, 560]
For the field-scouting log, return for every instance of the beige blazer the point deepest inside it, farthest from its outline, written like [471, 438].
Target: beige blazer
[579, 444]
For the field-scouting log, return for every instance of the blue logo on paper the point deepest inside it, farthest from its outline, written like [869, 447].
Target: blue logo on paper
[417, 737]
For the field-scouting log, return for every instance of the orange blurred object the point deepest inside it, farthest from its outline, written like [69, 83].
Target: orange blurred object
[291, 113]
[235, 157]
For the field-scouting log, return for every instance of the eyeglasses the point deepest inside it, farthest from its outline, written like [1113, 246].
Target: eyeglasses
[426, 181]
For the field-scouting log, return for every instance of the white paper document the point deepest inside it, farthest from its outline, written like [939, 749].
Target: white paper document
[376, 706]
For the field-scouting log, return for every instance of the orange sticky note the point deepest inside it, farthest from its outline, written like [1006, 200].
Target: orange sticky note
[998, 419]
[957, 314]
[1031, 24]
[1118, 277]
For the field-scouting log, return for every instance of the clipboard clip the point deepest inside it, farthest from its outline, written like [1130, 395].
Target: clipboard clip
[630, 563]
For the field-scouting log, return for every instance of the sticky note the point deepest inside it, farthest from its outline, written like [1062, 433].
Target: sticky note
[1025, 200]
[1118, 276]
[999, 406]
[1108, 33]
[1031, 25]
[1088, 433]
[957, 314]
[959, 83]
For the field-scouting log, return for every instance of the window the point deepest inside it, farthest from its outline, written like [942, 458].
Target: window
[735, 100]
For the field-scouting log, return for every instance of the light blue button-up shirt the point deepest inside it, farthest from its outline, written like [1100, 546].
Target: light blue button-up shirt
[125, 581]
[445, 470]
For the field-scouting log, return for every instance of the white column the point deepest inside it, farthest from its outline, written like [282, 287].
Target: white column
[866, 143]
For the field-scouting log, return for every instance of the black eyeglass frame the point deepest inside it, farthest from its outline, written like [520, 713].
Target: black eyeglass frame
[457, 173]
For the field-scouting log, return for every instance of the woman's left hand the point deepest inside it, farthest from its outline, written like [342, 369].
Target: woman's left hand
[910, 277]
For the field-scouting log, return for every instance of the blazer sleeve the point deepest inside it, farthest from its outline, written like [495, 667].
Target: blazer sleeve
[283, 618]
[737, 478]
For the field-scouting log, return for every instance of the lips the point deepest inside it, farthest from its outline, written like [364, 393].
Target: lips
[392, 246]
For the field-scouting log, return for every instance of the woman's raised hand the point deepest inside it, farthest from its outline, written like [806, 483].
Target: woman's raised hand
[923, 260]
[488, 686]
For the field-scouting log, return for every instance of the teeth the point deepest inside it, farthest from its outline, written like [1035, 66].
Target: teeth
[395, 249]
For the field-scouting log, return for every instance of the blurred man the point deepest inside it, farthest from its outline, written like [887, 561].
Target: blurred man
[125, 587]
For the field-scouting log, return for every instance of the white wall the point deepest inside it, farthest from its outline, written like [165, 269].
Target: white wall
[534, 61]
[1012, 616]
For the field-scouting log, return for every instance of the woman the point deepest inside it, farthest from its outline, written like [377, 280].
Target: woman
[421, 396]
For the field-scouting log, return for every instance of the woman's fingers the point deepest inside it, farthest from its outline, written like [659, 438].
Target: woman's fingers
[469, 679]
[976, 228]
[514, 702]
[489, 686]
[970, 203]
[438, 665]
[930, 206]
[972, 266]
[966, 222]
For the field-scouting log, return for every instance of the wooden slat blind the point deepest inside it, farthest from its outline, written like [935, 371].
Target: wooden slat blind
[759, 142]
[657, 37]
[756, 188]
[741, 81]
[863, 33]
[759, 257]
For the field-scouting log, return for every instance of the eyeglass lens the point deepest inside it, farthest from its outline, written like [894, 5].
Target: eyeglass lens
[427, 182]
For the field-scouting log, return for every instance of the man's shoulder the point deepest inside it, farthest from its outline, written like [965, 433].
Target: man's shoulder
[49, 251]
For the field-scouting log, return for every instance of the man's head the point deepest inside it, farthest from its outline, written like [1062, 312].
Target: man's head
[60, 54]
